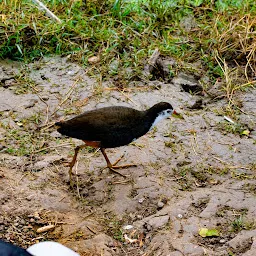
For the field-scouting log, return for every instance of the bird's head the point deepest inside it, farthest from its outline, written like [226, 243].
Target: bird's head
[165, 110]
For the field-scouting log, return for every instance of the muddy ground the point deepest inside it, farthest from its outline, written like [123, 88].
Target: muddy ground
[191, 174]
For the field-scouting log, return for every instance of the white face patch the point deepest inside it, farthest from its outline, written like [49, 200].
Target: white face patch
[162, 115]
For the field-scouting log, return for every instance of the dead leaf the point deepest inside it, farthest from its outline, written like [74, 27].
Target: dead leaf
[94, 59]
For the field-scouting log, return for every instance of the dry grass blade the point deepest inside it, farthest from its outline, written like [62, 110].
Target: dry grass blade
[238, 43]
[66, 96]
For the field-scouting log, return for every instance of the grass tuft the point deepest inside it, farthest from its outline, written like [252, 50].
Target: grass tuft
[219, 34]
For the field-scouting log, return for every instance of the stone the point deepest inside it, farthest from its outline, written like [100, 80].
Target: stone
[160, 204]
[188, 83]
[158, 222]
[242, 239]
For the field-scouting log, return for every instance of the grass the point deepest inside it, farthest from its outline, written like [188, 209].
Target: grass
[220, 34]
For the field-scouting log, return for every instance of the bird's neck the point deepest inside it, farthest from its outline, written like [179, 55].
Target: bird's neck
[153, 117]
[157, 119]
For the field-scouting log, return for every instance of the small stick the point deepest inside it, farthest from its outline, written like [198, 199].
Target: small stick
[47, 106]
[45, 229]
[62, 145]
[48, 12]
[67, 96]
[77, 186]
[91, 230]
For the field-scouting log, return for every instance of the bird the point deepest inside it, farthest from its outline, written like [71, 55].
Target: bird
[111, 127]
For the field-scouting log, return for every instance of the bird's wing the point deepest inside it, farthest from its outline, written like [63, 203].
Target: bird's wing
[96, 124]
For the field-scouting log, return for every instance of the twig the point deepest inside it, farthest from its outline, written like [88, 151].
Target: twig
[67, 96]
[229, 165]
[124, 94]
[47, 127]
[91, 230]
[62, 145]
[47, 106]
[48, 12]
[77, 186]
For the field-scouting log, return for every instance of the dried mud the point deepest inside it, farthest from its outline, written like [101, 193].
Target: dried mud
[190, 174]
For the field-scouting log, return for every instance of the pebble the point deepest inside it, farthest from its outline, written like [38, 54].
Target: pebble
[141, 200]
[139, 217]
[32, 220]
[160, 204]
[31, 103]
[127, 227]
[45, 97]
[8, 83]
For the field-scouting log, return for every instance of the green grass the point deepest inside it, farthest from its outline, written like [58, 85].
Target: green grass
[129, 31]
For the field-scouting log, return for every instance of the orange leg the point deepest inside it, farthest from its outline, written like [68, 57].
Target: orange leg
[94, 144]
[72, 163]
[113, 167]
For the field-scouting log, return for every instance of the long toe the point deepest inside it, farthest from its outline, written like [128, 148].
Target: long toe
[123, 166]
[114, 171]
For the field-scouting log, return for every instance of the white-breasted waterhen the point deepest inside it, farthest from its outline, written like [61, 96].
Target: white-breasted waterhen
[111, 127]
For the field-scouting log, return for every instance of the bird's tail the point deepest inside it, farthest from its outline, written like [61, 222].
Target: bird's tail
[58, 124]
[61, 127]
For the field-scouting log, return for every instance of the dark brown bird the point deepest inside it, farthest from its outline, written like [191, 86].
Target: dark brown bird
[112, 127]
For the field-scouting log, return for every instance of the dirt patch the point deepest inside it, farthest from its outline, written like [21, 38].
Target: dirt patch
[190, 173]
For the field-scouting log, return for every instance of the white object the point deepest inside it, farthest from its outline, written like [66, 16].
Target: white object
[50, 248]
[128, 227]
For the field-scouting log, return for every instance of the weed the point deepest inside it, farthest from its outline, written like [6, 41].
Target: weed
[171, 145]
[234, 128]
[124, 33]
[114, 227]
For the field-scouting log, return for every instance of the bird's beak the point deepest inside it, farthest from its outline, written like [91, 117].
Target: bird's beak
[177, 115]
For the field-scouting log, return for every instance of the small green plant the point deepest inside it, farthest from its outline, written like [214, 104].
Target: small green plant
[234, 128]
[237, 224]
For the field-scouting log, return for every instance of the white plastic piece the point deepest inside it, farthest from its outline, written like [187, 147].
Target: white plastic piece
[50, 248]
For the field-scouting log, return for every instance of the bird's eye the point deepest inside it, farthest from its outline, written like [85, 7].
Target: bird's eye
[169, 111]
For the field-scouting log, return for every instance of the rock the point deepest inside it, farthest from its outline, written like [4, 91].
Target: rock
[8, 83]
[31, 103]
[141, 200]
[157, 222]
[216, 91]
[252, 250]
[101, 244]
[45, 97]
[242, 239]
[196, 103]
[55, 134]
[160, 204]
[47, 161]
[188, 83]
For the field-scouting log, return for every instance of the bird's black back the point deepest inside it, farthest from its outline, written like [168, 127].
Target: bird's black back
[112, 126]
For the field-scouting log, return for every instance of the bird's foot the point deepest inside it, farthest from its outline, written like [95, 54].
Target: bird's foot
[123, 166]
[118, 160]
[113, 167]
[114, 171]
